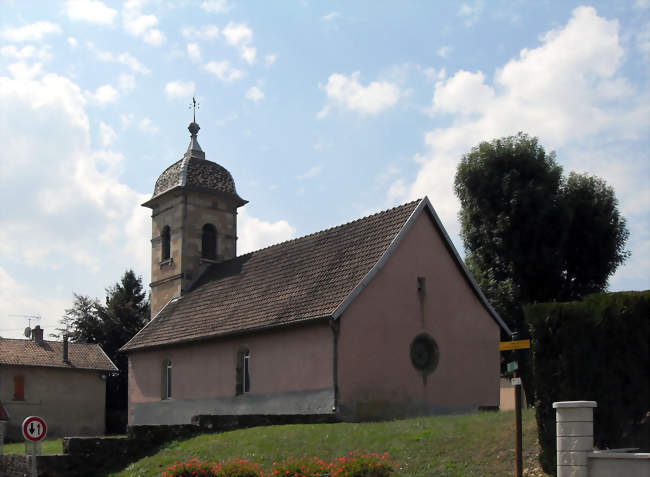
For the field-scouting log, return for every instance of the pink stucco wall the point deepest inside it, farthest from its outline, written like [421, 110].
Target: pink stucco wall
[293, 359]
[375, 374]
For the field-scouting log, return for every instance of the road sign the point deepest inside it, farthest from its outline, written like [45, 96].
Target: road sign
[510, 345]
[511, 366]
[515, 381]
[34, 429]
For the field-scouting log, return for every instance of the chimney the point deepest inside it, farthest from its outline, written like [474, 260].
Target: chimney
[65, 349]
[37, 333]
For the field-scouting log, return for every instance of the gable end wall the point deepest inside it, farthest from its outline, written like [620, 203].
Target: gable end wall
[375, 376]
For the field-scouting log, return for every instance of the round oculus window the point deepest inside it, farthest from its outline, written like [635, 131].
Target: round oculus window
[424, 353]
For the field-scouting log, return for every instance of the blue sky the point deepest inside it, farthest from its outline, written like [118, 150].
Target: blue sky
[322, 111]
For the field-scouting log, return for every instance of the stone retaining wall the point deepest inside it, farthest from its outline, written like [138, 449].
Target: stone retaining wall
[96, 456]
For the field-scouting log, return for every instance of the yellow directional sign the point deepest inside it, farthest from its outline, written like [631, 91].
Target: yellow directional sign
[510, 345]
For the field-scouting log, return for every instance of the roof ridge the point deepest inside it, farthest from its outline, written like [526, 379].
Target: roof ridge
[325, 230]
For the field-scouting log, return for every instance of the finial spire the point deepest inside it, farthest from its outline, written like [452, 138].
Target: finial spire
[194, 129]
[195, 105]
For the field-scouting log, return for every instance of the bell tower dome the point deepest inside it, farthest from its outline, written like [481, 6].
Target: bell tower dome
[194, 222]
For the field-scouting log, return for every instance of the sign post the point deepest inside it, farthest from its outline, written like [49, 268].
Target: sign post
[34, 431]
[512, 367]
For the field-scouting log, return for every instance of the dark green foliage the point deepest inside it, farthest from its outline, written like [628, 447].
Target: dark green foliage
[594, 350]
[594, 244]
[530, 234]
[110, 325]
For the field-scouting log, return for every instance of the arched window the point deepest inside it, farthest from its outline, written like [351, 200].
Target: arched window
[209, 242]
[166, 243]
[166, 381]
[243, 372]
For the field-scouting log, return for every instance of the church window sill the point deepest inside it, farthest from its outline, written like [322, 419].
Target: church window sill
[166, 262]
[211, 260]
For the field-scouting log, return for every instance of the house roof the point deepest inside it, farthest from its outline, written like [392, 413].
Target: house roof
[309, 278]
[49, 354]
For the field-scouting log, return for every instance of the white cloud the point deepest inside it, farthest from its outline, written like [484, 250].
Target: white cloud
[223, 70]
[207, 32]
[310, 173]
[23, 71]
[464, 93]
[146, 125]
[248, 53]
[330, 16]
[154, 37]
[216, 6]
[444, 51]
[125, 59]
[194, 51]
[47, 148]
[179, 89]
[470, 12]
[106, 134]
[141, 25]
[126, 82]
[347, 93]
[72, 41]
[103, 95]
[254, 94]
[126, 120]
[576, 100]
[32, 32]
[27, 52]
[241, 36]
[255, 233]
[270, 59]
[92, 11]
[238, 34]
[433, 75]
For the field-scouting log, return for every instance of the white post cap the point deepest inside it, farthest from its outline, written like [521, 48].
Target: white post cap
[565, 404]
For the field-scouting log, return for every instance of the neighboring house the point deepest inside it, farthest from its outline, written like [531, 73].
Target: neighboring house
[376, 318]
[64, 383]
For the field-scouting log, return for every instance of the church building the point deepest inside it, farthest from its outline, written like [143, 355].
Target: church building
[376, 318]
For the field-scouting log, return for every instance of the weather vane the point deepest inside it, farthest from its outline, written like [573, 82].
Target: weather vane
[195, 105]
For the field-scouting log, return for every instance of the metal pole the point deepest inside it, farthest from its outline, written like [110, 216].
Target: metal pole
[34, 470]
[518, 446]
[518, 450]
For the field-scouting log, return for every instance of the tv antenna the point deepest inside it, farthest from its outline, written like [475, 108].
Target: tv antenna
[28, 330]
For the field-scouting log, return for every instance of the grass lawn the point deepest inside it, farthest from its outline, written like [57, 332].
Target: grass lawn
[459, 445]
[54, 446]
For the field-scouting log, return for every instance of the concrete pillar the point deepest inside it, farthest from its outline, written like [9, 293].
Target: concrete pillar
[574, 424]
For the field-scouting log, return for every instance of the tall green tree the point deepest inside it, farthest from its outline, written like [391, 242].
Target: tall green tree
[111, 325]
[530, 234]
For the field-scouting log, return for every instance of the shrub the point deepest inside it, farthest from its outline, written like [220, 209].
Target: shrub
[228, 468]
[595, 350]
[359, 464]
[303, 467]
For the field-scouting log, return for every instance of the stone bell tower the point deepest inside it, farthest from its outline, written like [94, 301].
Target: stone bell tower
[194, 222]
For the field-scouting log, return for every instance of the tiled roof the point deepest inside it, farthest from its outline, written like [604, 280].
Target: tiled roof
[305, 278]
[192, 171]
[50, 354]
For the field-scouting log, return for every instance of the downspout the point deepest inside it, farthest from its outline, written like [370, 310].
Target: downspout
[335, 326]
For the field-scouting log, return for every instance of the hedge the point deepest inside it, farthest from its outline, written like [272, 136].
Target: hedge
[594, 350]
